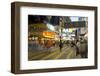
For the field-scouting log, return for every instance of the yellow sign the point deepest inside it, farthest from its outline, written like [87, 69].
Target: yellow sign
[71, 30]
[49, 34]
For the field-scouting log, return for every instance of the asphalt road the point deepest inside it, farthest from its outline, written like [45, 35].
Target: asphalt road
[53, 53]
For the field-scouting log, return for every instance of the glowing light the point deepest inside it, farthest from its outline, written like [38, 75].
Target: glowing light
[64, 30]
[51, 27]
[74, 18]
[70, 30]
[49, 34]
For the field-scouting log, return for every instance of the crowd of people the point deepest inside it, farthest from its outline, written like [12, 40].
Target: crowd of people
[80, 45]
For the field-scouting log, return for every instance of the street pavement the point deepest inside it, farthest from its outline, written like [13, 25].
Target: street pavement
[53, 53]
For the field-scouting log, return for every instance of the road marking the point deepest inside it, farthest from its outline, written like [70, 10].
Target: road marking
[38, 56]
[50, 55]
[32, 53]
[59, 55]
[69, 55]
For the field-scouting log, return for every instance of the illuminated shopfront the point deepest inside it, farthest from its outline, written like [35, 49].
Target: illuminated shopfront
[49, 34]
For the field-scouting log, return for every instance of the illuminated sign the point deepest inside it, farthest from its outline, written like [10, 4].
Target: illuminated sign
[49, 34]
[75, 24]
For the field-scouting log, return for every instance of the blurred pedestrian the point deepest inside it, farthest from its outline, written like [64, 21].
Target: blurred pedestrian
[60, 45]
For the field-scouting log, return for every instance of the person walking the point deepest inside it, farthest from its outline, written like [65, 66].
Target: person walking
[60, 45]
